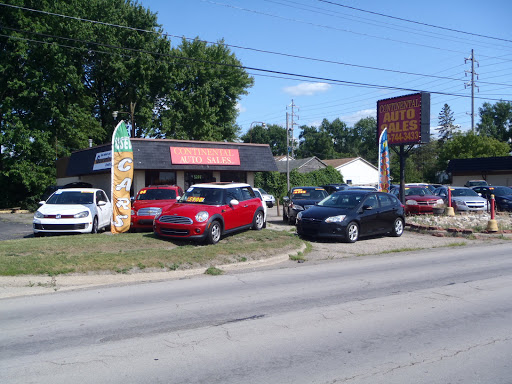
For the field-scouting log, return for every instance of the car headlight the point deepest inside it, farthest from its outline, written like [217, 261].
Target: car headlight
[459, 202]
[411, 202]
[81, 215]
[297, 207]
[157, 216]
[202, 216]
[335, 219]
[132, 212]
[440, 201]
[299, 215]
[38, 215]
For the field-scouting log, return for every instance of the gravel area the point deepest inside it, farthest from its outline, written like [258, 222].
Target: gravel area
[469, 221]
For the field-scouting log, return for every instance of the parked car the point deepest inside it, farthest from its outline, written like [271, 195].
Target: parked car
[208, 211]
[257, 192]
[349, 215]
[331, 188]
[73, 210]
[149, 202]
[360, 188]
[418, 199]
[299, 199]
[463, 199]
[267, 197]
[502, 196]
[475, 183]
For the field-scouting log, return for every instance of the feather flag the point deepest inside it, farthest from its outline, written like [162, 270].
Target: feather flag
[122, 175]
[384, 176]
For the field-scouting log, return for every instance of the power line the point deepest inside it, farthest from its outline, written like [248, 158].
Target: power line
[416, 22]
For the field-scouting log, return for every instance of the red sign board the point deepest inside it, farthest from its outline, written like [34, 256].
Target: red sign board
[204, 156]
[407, 119]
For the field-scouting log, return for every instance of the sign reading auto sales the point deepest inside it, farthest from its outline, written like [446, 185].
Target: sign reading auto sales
[204, 156]
[407, 119]
[122, 175]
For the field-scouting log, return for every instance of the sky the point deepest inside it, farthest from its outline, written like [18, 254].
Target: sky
[337, 58]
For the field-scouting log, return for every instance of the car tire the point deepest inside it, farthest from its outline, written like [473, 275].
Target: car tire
[94, 228]
[398, 227]
[352, 232]
[292, 220]
[214, 232]
[258, 221]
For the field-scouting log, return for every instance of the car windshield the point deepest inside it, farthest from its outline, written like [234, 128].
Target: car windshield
[501, 191]
[263, 191]
[463, 192]
[157, 194]
[71, 197]
[202, 195]
[419, 191]
[342, 200]
[308, 194]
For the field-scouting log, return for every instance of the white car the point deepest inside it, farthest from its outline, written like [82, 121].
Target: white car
[267, 197]
[258, 194]
[73, 210]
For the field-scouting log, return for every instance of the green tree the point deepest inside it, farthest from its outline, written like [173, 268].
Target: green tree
[315, 142]
[469, 145]
[273, 134]
[445, 121]
[496, 120]
[365, 143]
[201, 102]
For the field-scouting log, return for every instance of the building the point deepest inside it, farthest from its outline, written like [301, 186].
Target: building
[179, 162]
[495, 170]
[355, 170]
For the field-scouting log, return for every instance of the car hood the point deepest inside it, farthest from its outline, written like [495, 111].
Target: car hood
[469, 198]
[64, 209]
[422, 197]
[303, 203]
[320, 212]
[190, 210]
[138, 204]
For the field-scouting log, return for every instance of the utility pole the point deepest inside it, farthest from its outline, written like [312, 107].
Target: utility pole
[292, 115]
[472, 84]
[287, 156]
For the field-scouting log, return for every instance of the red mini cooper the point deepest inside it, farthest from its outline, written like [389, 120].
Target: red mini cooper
[149, 202]
[208, 211]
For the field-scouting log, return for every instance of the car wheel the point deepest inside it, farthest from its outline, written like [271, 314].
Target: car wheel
[214, 232]
[292, 220]
[258, 221]
[94, 228]
[398, 227]
[352, 232]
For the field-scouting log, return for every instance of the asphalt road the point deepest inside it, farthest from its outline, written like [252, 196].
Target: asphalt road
[436, 316]
[15, 225]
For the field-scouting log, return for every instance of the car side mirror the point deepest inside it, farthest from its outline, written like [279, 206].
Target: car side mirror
[286, 199]
[367, 207]
[102, 203]
[42, 202]
[234, 202]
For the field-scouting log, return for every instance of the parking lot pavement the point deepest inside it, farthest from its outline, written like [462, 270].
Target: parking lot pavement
[15, 225]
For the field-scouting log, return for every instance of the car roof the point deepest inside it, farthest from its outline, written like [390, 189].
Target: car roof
[160, 187]
[79, 190]
[220, 185]
[318, 188]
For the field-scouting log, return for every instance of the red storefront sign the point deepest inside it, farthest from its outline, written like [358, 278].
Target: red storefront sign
[204, 156]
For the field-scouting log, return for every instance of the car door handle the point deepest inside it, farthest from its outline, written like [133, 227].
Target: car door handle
[245, 206]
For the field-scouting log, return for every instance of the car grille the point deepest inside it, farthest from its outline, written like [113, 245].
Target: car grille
[149, 211]
[175, 219]
[59, 227]
[174, 232]
[475, 204]
[429, 203]
[59, 216]
[309, 226]
[145, 222]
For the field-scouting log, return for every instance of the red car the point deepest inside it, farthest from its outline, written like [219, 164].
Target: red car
[208, 211]
[419, 200]
[149, 202]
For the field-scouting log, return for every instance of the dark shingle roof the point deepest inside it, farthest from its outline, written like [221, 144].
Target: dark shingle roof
[155, 154]
[487, 164]
[298, 163]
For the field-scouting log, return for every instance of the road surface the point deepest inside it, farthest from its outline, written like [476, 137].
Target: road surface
[438, 316]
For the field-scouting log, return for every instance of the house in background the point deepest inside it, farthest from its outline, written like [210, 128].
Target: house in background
[494, 170]
[355, 170]
[301, 165]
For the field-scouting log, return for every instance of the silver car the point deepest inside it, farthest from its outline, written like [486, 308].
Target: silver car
[463, 198]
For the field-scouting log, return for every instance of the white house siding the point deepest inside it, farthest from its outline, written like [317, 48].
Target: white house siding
[359, 172]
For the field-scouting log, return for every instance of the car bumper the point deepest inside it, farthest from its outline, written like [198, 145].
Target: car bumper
[62, 225]
[317, 228]
[195, 231]
[142, 222]
[418, 209]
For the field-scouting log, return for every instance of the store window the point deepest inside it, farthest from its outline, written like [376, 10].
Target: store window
[155, 177]
[197, 177]
[236, 176]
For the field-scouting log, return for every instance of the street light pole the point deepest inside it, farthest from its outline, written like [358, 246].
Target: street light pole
[250, 128]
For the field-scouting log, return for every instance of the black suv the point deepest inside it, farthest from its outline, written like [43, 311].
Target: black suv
[300, 199]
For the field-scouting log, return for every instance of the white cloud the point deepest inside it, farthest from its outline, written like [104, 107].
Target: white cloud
[307, 89]
[240, 108]
[355, 117]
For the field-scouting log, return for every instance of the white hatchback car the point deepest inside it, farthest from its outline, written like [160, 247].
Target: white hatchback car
[73, 210]
[267, 197]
